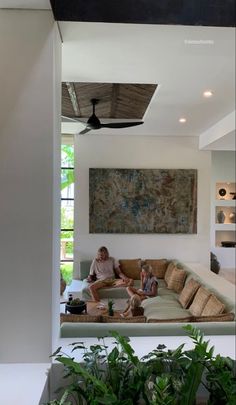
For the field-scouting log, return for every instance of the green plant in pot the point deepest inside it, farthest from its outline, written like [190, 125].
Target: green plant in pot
[110, 307]
[163, 377]
[75, 306]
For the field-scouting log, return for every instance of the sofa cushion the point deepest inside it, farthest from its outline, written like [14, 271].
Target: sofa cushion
[199, 301]
[213, 307]
[188, 292]
[79, 318]
[131, 268]
[117, 319]
[169, 271]
[159, 266]
[177, 279]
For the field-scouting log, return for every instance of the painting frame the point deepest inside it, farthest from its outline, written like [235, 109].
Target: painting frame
[142, 201]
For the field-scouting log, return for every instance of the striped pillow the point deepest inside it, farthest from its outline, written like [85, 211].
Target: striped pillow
[159, 267]
[168, 272]
[177, 279]
[213, 307]
[188, 292]
[199, 301]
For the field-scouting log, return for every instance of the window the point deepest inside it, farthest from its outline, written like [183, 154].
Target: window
[67, 209]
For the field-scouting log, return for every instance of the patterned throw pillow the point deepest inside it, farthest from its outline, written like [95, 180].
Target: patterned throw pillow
[131, 268]
[159, 266]
[188, 292]
[199, 301]
[177, 279]
[213, 307]
[169, 271]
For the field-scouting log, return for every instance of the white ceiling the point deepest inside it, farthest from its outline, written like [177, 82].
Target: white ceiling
[158, 54]
[184, 61]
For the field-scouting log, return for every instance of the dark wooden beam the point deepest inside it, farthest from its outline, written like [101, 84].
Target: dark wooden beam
[219, 13]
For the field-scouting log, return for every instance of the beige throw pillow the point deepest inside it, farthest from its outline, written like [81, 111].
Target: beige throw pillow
[159, 266]
[168, 272]
[188, 292]
[213, 307]
[131, 268]
[177, 279]
[199, 301]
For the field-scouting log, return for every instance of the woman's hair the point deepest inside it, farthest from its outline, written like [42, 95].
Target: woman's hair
[147, 268]
[103, 249]
[135, 301]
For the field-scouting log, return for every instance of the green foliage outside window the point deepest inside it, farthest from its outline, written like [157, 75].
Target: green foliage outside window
[67, 272]
[67, 155]
[67, 212]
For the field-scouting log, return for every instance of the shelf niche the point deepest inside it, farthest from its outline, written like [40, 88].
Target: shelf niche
[225, 191]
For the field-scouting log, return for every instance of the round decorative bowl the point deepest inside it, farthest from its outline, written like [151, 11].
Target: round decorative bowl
[76, 309]
[227, 243]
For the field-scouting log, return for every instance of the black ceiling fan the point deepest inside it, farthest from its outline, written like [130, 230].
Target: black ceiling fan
[94, 122]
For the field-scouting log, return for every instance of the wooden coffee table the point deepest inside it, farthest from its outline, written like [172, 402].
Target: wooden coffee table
[92, 309]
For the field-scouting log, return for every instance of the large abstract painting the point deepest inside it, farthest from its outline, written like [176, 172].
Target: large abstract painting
[143, 201]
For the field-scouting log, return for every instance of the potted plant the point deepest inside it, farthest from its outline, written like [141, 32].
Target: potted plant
[75, 306]
[163, 377]
[110, 307]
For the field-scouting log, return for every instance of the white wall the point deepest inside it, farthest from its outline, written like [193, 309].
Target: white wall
[99, 151]
[28, 132]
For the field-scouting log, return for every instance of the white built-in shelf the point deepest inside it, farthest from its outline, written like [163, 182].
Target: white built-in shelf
[225, 227]
[225, 203]
[225, 231]
[229, 188]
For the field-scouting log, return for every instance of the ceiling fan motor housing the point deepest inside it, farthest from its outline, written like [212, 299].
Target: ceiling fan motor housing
[94, 122]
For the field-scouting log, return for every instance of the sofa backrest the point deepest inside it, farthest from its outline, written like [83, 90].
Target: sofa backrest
[130, 267]
[84, 269]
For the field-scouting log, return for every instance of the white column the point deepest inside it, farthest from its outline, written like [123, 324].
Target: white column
[29, 207]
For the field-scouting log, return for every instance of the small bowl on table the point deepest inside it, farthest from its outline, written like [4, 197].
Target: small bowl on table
[76, 309]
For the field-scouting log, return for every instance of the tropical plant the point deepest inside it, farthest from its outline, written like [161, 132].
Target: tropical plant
[163, 377]
[67, 272]
[110, 307]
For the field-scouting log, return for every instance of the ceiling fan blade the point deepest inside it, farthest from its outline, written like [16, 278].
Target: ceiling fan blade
[84, 131]
[121, 124]
[75, 119]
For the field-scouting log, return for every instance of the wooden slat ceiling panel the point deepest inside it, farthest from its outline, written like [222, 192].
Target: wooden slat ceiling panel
[133, 100]
[86, 91]
[67, 108]
[116, 100]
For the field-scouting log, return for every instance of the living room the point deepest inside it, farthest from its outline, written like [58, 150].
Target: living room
[30, 168]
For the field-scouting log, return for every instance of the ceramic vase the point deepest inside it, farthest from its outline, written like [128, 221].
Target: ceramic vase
[221, 217]
[232, 217]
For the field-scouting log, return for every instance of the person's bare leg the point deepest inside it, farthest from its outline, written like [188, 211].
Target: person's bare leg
[94, 290]
[131, 291]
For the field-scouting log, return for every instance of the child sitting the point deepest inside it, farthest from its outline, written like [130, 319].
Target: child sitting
[134, 307]
[149, 285]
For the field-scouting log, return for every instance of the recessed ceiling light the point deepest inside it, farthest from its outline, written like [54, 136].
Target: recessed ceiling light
[182, 120]
[208, 93]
